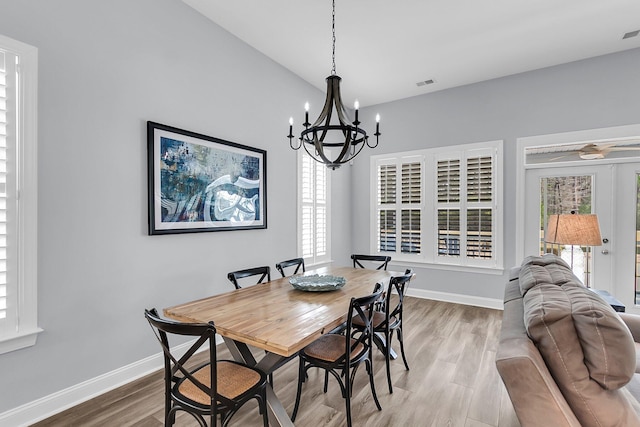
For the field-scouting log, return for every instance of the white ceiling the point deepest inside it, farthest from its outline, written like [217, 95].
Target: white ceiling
[383, 48]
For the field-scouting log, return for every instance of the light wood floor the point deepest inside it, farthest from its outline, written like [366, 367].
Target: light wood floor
[452, 382]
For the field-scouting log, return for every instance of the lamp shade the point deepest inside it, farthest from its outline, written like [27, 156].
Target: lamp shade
[573, 229]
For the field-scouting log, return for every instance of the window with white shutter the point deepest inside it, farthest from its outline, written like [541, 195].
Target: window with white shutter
[313, 206]
[18, 176]
[3, 185]
[386, 210]
[479, 207]
[399, 206]
[448, 202]
[442, 205]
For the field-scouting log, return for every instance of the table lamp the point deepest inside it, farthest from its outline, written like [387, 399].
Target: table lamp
[574, 229]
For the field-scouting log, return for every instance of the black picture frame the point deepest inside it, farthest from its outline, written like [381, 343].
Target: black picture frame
[199, 183]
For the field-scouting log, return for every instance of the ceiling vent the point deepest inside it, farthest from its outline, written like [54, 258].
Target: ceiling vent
[425, 82]
[631, 34]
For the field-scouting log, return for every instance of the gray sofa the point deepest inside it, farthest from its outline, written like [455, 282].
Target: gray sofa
[565, 356]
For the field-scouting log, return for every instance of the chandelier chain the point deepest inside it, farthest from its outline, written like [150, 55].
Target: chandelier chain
[333, 30]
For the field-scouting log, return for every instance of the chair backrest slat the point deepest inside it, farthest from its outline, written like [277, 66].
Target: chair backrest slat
[263, 272]
[362, 309]
[397, 285]
[383, 260]
[297, 262]
[206, 333]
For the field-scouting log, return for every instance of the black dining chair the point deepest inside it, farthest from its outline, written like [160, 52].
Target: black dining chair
[340, 355]
[388, 318]
[298, 263]
[263, 272]
[380, 261]
[217, 388]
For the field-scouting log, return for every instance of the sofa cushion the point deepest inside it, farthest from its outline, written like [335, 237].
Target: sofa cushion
[570, 320]
[583, 341]
[544, 269]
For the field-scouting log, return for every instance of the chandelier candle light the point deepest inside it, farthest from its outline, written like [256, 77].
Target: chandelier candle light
[333, 143]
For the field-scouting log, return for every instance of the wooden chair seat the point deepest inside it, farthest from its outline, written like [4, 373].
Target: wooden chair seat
[331, 347]
[233, 381]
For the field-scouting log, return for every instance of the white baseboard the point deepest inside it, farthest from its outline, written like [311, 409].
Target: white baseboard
[47, 406]
[496, 304]
[59, 401]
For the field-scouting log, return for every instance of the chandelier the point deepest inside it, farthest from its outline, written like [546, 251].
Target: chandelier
[337, 142]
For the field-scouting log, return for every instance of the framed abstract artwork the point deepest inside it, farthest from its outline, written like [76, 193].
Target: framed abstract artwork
[200, 183]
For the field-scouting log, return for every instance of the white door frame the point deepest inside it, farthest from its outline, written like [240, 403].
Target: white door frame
[628, 131]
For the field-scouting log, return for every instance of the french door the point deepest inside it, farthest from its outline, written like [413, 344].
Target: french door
[611, 192]
[580, 189]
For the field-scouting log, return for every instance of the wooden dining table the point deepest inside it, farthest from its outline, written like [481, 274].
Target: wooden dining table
[279, 319]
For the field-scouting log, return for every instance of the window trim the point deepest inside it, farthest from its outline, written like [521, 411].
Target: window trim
[429, 232]
[27, 328]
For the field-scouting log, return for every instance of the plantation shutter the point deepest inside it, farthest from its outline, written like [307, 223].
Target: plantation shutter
[314, 210]
[8, 132]
[399, 206]
[439, 206]
[448, 200]
[307, 217]
[386, 208]
[411, 196]
[321, 208]
[18, 175]
[3, 185]
[479, 209]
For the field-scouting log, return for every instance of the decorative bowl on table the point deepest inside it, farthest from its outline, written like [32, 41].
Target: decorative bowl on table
[317, 283]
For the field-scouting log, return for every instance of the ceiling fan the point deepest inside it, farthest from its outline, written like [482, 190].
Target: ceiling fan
[593, 151]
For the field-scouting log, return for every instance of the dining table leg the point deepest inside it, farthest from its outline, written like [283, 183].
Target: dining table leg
[381, 343]
[270, 362]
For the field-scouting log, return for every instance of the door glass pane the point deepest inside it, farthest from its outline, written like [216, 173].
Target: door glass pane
[565, 195]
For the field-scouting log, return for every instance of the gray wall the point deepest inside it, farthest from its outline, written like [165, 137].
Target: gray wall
[594, 93]
[105, 68]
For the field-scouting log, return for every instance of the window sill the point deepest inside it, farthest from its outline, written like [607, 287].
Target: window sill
[497, 271]
[19, 340]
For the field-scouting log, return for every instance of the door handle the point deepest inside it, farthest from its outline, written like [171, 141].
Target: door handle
[605, 252]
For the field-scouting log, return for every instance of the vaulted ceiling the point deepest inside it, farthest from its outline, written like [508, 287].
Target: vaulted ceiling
[387, 50]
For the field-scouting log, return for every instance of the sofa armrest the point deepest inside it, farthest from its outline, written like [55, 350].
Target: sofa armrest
[633, 323]
[531, 387]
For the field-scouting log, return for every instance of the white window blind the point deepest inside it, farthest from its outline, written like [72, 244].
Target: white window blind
[3, 186]
[18, 175]
[386, 211]
[449, 215]
[448, 202]
[399, 212]
[314, 224]
[479, 207]
[465, 206]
